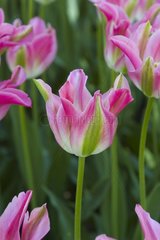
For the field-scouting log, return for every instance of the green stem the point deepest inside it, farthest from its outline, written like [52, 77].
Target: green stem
[31, 9]
[142, 185]
[78, 205]
[27, 158]
[114, 194]
[23, 10]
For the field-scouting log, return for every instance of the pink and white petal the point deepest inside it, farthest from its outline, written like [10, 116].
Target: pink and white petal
[150, 228]
[119, 99]
[37, 225]
[14, 96]
[12, 217]
[153, 47]
[75, 89]
[63, 122]
[104, 237]
[129, 48]
[55, 120]
[38, 25]
[3, 110]
[44, 48]
[17, 78]
[6, 29]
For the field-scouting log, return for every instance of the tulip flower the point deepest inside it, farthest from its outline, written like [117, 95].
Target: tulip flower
[10, 34]
[143, 56]
[84, 124]
[150, 228]
[117, 24]
[10, 95]
[76, 117]
[17, 224]
[36, 51]
[104, 237]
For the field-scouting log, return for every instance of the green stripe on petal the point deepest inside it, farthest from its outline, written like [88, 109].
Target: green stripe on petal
[147, 77]
[21, 57]
[42, 89]
[94, 131]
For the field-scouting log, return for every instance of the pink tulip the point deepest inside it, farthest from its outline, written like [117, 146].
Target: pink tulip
[104, 237]
[84, 124]
[134, 9]
[17, 224]
[117, 24]
[150, 228]
[36, 51]
[142, 52]
[10, 95]
[10, 34]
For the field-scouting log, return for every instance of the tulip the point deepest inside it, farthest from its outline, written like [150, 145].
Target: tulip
[36, 51]
[10, 95]
[17, 224]
[76, 117]
[117, 24]
[84, 124]
[134, 9]
[104, 237]
[150, 228]
[143, 56]
[10, 34]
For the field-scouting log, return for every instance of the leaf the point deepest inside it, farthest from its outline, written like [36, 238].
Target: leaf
[66, 218]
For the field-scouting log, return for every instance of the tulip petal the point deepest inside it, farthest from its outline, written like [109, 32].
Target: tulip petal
[17, 78]
[37, 225]
[104, 237]
[129, 48]
[14, 96]
[12, 217]
[75, 89]
[150, 227]
[153, 47]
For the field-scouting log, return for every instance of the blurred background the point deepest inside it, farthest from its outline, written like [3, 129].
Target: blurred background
[81, 42]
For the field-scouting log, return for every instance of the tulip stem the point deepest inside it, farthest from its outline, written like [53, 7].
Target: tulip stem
[31, 10]
[78, 204]
[142, 185]
[114, 190]
[27, 158]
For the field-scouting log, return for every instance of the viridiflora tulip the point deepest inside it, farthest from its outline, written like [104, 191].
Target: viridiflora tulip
[142, 52]
[10, 34]
[117, 24]
[36, 51]
[17, 224]
[84, 124]
[9, 95]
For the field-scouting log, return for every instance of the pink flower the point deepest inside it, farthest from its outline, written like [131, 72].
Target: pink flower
[10, 95]
[142, 52]
[104, 237]
[9, 34]
[16, 219]
[84, 124]
[117, 24]
[36, 51]
[150, 228]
